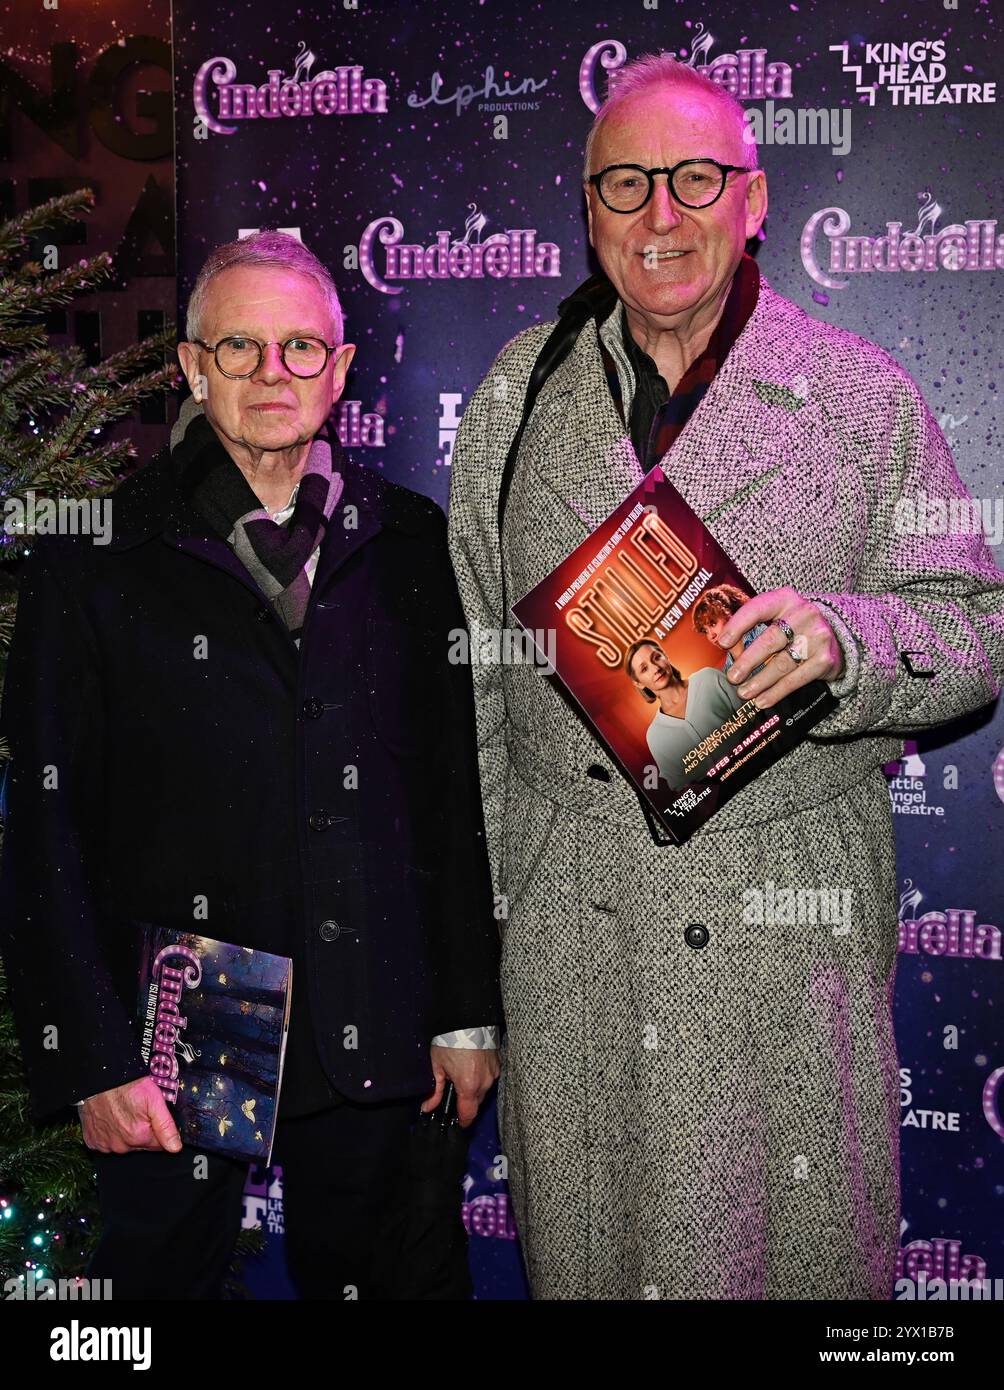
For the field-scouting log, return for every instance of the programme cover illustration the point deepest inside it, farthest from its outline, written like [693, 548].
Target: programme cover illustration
[213, 1021]
[635, 612]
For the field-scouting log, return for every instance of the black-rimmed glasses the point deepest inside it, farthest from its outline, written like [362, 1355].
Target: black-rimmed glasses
[239, 356]
[696, 183]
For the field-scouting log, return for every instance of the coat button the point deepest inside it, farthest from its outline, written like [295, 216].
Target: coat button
[313, 708]
[696, 936]
[323, 820]
[329, 930]
[598, 771]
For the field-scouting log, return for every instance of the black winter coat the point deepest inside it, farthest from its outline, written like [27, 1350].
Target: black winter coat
[322, 803]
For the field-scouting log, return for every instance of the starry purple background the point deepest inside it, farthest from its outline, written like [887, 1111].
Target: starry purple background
[331, 176]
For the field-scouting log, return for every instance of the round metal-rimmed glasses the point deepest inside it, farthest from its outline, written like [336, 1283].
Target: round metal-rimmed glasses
[696, 183]
[240, 356]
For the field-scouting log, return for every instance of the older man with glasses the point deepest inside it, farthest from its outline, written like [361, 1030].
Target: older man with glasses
[700, 1100]
[239, 718]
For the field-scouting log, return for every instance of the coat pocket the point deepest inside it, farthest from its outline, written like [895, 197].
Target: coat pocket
[754, 476]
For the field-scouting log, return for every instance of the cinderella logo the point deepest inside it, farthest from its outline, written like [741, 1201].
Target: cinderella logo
[745, 73]
[954, 932]
[973, 245]
[992, 1102]
[513, 254]
[167, 1025]
[342, 91]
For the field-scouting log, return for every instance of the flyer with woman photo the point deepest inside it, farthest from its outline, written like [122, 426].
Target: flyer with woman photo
[633, 616]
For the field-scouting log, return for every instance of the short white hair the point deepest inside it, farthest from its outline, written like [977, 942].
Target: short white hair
[263, 248]
[664, 70]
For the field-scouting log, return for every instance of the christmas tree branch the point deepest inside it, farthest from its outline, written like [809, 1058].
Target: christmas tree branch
[17, 232]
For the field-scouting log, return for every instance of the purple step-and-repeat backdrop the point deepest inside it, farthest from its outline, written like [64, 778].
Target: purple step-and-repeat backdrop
[431, 156]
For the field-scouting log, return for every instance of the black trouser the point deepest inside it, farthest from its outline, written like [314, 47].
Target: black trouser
[168, 1233]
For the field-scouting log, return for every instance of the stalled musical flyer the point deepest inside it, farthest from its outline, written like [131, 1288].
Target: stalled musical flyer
[632, 618]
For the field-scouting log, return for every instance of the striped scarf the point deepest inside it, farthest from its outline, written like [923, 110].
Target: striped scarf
[274, 555]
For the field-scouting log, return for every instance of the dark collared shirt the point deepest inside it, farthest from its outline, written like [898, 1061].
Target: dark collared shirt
[657, 415]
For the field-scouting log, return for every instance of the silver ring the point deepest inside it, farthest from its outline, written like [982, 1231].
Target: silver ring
[789, 632]
[795, 654]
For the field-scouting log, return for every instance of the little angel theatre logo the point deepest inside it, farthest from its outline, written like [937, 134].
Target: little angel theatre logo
[513, 254]
[908, 789]
[973, 245]
[341, 91]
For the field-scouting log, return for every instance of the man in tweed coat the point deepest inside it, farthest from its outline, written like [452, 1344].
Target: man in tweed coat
[696, 1102]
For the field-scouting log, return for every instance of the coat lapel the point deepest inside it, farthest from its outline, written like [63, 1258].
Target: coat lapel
[575, 441]
[355, 521]
[754, 421]
[187, 530]
[153, 504]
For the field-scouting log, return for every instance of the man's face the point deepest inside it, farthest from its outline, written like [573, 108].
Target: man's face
[659, 128]
[273, 409]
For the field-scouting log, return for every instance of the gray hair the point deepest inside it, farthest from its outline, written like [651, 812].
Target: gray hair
[664, 70]
[263, 248]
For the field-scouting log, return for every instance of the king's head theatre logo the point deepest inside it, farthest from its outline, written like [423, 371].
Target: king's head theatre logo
[341, 91]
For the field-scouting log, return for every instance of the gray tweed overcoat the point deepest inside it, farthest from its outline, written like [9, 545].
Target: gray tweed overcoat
[722, 1122]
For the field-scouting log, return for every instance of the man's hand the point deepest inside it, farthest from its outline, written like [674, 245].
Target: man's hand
[133, 1116]
[822, 656]
[473, 1070]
